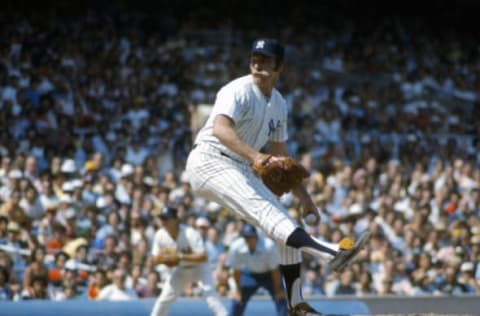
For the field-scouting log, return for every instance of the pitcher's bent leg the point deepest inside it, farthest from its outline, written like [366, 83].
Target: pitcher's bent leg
[238, 189]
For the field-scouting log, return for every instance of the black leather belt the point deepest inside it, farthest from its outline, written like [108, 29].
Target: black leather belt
[221, 153]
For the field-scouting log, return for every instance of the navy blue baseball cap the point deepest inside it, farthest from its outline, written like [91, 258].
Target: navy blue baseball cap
[248, 230]
[168, 212]
[268, 47]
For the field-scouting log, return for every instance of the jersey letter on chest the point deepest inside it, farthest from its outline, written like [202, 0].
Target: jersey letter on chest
[272, 126]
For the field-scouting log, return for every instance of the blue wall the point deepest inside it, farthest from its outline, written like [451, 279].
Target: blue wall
[182, 307]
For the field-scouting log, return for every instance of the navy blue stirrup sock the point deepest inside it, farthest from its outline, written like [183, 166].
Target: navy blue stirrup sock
[299, 238]
[290, 274]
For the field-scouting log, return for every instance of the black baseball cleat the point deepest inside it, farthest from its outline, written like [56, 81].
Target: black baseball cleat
[303, 309]
[348, 251]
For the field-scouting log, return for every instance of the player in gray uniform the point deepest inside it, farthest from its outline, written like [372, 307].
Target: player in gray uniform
[248, 114]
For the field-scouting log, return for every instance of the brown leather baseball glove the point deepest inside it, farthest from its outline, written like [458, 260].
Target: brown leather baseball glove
[279, 173]
[168, 257]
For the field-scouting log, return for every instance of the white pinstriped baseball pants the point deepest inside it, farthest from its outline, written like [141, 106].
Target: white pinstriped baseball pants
[233, 185]
[176, 283]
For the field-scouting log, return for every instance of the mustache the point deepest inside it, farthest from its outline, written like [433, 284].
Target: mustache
[262, 73]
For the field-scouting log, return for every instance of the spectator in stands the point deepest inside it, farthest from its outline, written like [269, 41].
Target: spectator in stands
[69, 283]
[449, 283]
[105, 256]
[48, 198]
[387, 287]
[364, 286]
[3, 228]
[14, 211]
[151, 288]
[11, 184]
[38, 290]
[97, 282]
[210, 238]
[135, 277]
[57, 268]
[346, 284]
[140, 251]
[395, 149]
[46, 225]
[313, 283]
[58, 239]
[35, 269]
[5, 292]
[467, 278]
[31, 203]
[116, 291]
[69, 291]
[17, 248]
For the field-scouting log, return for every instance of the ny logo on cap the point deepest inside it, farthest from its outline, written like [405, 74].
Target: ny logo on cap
[260, 44]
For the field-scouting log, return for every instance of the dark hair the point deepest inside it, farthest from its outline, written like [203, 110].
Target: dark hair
[111, 236]
[34, 253]
[61, 253]
[80, 247]
[125, 253]
[5, 272]
[101, 271]
[40, 278]
[57, 227]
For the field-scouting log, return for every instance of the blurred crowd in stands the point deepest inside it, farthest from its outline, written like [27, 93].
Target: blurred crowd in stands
[96, 123]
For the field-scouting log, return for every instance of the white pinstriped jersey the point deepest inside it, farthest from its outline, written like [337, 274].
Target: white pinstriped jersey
[188, 241]
[217, 174]
[257, 120]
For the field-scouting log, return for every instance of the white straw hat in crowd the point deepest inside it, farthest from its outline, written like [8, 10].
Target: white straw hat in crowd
[126, 170]
[68, 166]
[67, 186]
[15, 174]
[202, 222]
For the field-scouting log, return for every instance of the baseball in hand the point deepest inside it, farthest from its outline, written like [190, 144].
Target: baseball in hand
[310, 219]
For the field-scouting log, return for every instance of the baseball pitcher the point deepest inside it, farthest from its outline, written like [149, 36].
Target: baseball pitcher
[226, 166]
